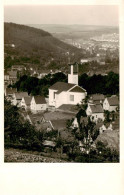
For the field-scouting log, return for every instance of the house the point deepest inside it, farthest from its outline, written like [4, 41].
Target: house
[111, 103]
[115, 124]
[38, 104]
[95, 112]
[17, 97]
[67, 93]
[25, 102]
[10, 91]
[83, 121]
[6, 77]
[96, 99]
[12, 76]
[36, 120]
[103, 127]
[18, 67]
[59, 125]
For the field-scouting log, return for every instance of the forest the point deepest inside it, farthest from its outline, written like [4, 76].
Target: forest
[107, 85]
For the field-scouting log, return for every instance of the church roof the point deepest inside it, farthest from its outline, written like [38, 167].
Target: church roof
[78, 89]
[61, 86]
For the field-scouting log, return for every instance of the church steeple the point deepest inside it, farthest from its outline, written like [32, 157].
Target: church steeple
[73, 73]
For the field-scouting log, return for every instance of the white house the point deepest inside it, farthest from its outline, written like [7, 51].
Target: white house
[95, 112]
[104, 127]
[17, 97]
[25, 102]
[111, 103]
[67, 93]
[38, 103]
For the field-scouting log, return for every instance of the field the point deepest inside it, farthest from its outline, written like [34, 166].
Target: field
[16, 155]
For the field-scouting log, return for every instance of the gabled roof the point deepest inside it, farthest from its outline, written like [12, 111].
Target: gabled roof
[39, 99]
[34, 118]
[13, 73]
[96, 108]
[20, 95]
[59, 124]
[77, 89]
[97, 97]
[69, 108]
[61, 86]
[48, 116]
[113, 101]
[27, 100]
[10, 90]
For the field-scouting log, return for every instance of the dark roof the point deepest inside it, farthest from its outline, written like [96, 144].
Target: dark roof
[46, 125]
[48, 116]
[37, 116]
[68, 108]
[40, 99]
[96, 108]
[113, 101]
[10, 90]
[12, 73]
[97, 97]
[20, 95]
[27, 100]
[78, 89]
[59, 124]
[61, 86]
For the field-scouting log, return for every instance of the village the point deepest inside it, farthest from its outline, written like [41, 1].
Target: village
[59, 112]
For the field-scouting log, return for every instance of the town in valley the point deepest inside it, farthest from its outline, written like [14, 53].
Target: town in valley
[61, 93]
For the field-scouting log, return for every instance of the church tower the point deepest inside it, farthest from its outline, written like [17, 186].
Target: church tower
[73, 73]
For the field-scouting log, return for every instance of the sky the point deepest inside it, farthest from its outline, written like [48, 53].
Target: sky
[106, 15]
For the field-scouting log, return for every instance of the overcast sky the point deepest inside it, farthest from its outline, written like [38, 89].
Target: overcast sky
[107, 15]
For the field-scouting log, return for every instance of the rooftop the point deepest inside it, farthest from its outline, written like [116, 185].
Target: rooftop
[40, 100]
[61, 86]
[69, 108]
[59, 124]
[27, 100]
[48, 116]
[78, 89]
[97, 97]
[10, 90]
[96, 108]
[113, 101]
[20, 95]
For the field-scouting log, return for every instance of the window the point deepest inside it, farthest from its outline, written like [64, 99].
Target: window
[54, 95]
[71, 97]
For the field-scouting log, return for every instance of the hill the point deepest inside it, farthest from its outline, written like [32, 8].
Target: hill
[36, 43]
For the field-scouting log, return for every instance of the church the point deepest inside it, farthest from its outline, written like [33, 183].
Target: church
[67, 93]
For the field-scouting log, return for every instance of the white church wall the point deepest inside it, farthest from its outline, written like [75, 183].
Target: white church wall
[52, 97]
